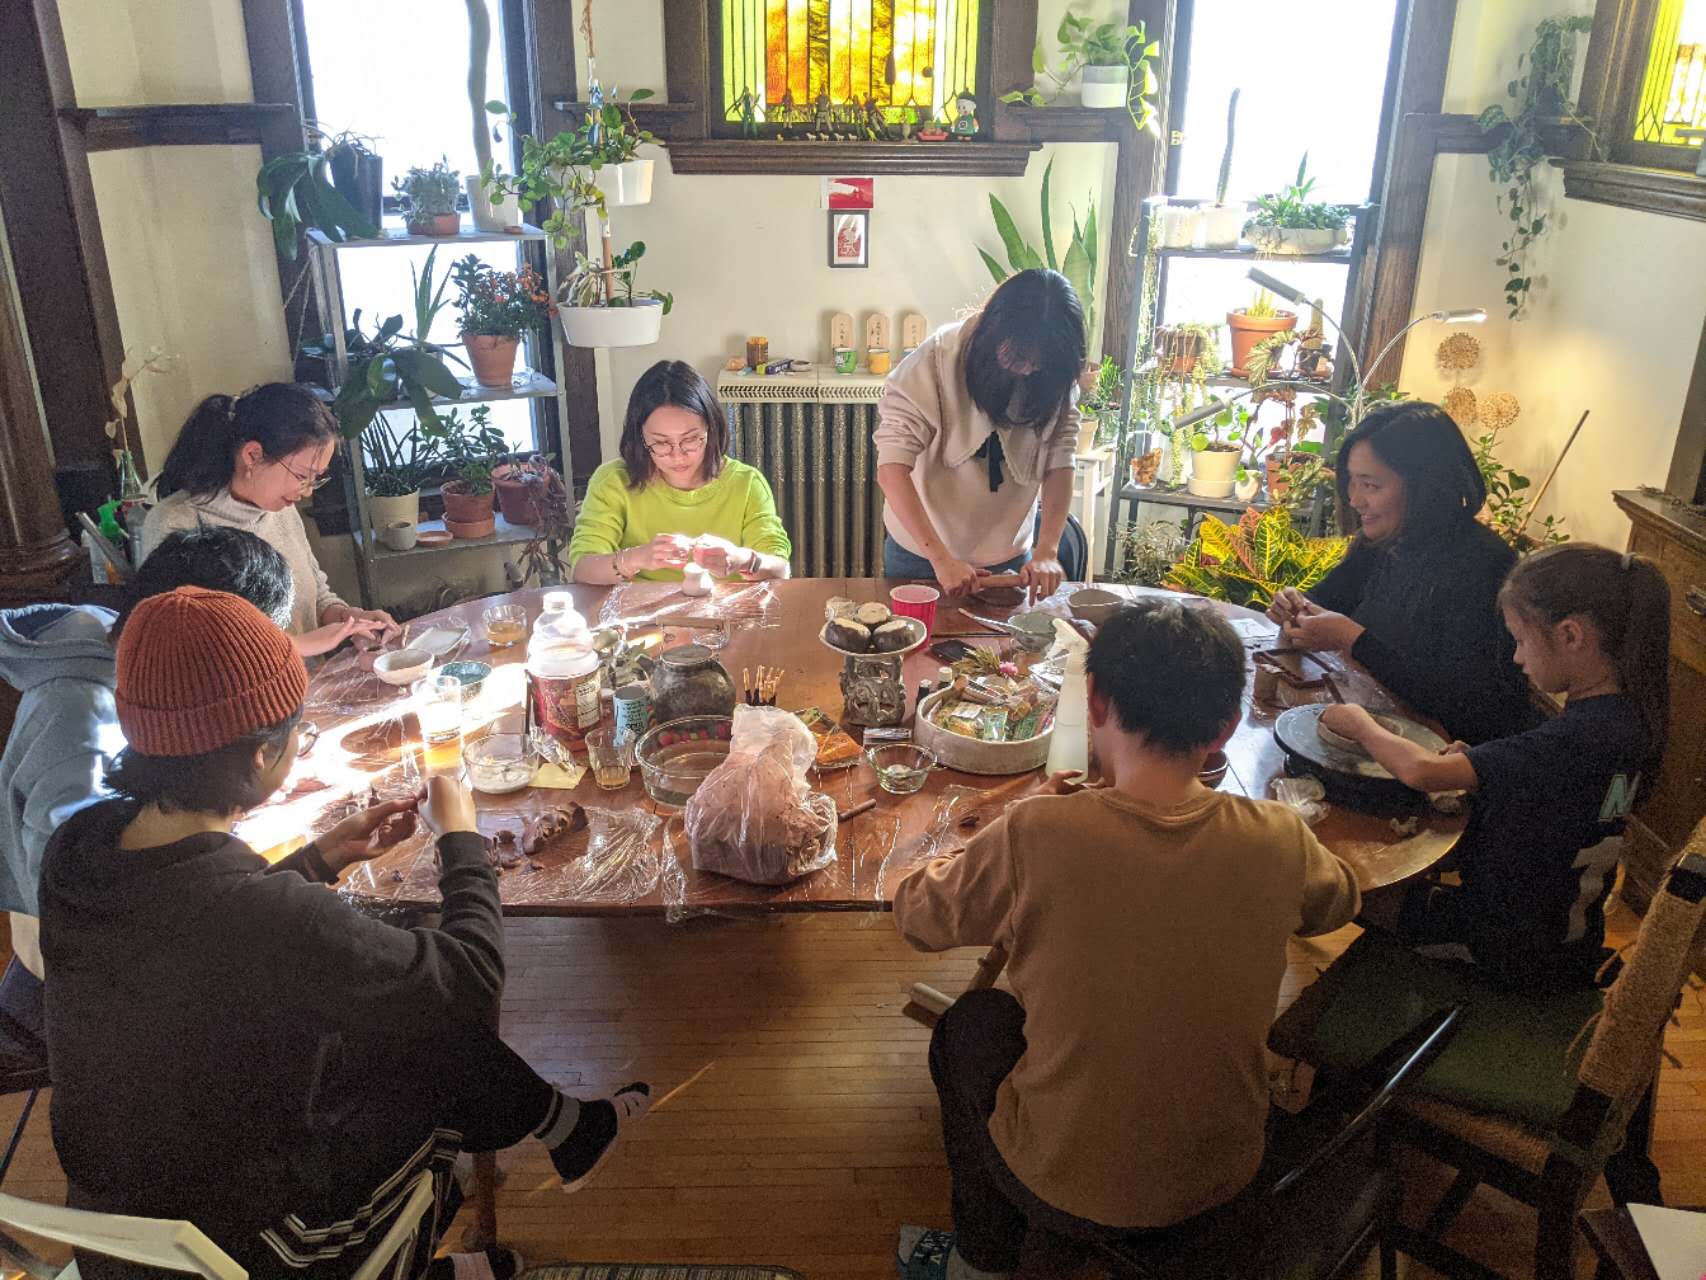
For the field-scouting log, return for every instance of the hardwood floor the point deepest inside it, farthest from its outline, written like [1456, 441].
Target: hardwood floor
[801, 1124]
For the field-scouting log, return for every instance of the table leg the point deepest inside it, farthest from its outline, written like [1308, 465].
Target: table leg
[928, 1004]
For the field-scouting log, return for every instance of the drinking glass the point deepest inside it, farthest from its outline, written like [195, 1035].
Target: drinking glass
[611, 759]
[441, 709]
[506, 625]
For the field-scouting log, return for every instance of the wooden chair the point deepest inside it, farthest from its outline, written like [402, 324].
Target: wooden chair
[1550, 1166]
[23, 1054]
[180, 1246]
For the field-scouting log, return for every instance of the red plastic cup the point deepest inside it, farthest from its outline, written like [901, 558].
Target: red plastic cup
[916, 602]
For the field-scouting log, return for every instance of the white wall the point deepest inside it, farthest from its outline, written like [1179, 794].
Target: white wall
[1614, 318]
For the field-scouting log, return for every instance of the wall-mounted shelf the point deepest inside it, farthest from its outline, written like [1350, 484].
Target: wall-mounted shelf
[505, 534]
[183, 125]
[924, 159]
[1251, 253]
[396, 236]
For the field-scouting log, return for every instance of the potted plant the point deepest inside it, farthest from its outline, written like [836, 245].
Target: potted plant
[468, 502]
[1099, 404]
[592, 166]
[603, 309]
[295, 192]
[497, 308]
[468, 452]
[490, 209]
[1250, 562]
[1113, 63]
[524, 489]
[1217, 449]
[1181, 348]
[1293, 223]
[396, 463]
[432, 199]
[1077, 261]
[1250, 325]
[1222, 223]
[357, 173]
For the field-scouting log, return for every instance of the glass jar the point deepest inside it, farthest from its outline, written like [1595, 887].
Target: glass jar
[689, 681]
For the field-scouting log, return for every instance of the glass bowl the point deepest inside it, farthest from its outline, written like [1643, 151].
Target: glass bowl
[499, 763]
[676, 756]
[902, 767]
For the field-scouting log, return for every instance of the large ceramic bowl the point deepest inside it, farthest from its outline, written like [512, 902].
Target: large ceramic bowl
[1095, 605]
[677, 755]
[402, 666]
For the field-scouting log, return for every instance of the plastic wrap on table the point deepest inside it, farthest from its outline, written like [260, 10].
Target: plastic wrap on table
[739, 605]
[755, 817]
[346, 687]
[943, 835]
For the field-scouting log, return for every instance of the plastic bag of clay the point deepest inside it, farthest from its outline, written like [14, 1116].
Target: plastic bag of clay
[737, 604]
[755, 817]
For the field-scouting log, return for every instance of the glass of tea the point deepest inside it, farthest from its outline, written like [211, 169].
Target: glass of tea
[440, 709]
[611, 759]
[506, 625]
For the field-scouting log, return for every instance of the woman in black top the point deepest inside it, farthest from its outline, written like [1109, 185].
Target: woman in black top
[1414, 600]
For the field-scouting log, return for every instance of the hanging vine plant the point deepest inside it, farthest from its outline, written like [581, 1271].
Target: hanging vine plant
[1541, 94]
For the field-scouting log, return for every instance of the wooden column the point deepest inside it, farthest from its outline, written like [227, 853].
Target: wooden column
[36, 553]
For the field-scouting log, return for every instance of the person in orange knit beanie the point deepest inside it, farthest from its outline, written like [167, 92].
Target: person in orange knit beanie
[235, 1044]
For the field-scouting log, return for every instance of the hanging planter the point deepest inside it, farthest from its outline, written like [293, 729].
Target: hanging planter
[638, 325]
[629, 183]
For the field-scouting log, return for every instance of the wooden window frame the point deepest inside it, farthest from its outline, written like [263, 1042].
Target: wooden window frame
[1647, 176]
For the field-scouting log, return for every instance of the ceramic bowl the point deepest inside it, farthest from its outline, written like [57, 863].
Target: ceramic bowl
[471, 674]
[1033, 632]
[1213, 769]
[676, 756]
[1094, 605]
[402, 666]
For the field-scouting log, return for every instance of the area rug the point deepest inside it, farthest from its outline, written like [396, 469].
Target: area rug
[658, 1271]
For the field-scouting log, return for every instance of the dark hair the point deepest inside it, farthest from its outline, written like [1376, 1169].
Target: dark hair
[1443, 487]
[220, 559]
[1174, 673]
[219, 782]
[1626, 599]
[281, 417]
[677, 383]
[1036, 317]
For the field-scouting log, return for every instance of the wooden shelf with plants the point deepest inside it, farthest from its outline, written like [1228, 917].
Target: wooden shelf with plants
[1177, 369]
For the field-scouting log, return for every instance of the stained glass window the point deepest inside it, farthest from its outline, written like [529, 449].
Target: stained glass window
[1673, 92]
[829, 65]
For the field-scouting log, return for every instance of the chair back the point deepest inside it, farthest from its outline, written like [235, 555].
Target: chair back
[152, 1242]
[1074, 551]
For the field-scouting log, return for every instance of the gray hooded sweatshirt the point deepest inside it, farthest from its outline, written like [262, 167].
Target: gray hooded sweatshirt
[66, 732]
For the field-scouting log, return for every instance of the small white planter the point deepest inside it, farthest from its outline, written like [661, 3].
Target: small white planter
[626, 184]
[390, 511]
[1298, 240]
[1179, 226]
[1106, 87]
[491, 215]
[635, 326]
[1214, 472]
[1223, 225]
[1245, 489]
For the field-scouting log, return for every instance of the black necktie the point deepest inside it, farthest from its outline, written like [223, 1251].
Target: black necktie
[991, 449]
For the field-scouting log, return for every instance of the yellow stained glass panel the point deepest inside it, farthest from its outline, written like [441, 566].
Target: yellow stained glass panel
[1673, 92]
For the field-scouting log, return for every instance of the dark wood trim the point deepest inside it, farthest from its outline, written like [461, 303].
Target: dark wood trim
[55, 231]
[1665, 191]
[36, 551]
[1065, 123]
[686, 52]
[935, 159]
[1687, 478]
[211, 125]
[1010, 67]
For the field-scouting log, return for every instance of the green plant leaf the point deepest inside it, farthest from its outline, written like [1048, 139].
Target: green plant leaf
[641, 95]
[1080, 275]
[1020, 256]
[1039, 62]
[995, 268]
[1048, 221]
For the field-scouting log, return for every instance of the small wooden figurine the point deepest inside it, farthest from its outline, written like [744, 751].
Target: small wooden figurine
[965, 126]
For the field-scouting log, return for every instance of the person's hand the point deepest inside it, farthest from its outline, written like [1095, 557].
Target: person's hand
[666, 551]
[1290, 603]
[1458, 748]
[448, 807]
[1322, 632]
[1349, 721]
[956, 576]
[1041, 576]
[722, 558]
[367, 834]
[388, 628]
[324, 639]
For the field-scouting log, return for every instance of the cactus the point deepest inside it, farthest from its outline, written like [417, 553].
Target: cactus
[1226, 156]
[479, 45]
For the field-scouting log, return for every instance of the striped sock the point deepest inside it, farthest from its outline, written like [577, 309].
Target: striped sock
[591, 1138]
[560, 1120]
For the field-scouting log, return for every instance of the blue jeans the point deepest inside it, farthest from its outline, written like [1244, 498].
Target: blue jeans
[898, 562]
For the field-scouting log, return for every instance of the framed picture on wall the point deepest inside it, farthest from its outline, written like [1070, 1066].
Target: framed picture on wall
[850, 238]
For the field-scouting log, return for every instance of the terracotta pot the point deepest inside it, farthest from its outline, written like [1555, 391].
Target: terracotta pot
[1279, 475]
[463, 507]
[1177, 353]
[1248, 330]
[439, 224]
[516, 494]
[493, 358]
[472, 529]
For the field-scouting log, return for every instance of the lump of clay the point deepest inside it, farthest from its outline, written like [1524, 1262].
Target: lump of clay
[695, 581]
[851, 636]
[872, 615]
[892, 635]
[838, 607]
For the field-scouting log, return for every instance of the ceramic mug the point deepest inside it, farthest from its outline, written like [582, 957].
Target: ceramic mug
[878, 359]
[846, 360]
[399, 535]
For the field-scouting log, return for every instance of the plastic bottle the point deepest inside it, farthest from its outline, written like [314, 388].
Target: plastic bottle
[559, 625]
[1069, 748]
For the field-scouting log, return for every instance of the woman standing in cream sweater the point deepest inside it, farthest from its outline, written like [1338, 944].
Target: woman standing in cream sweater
[245, 462]
[975, 429]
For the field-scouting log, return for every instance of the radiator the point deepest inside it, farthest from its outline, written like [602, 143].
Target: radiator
[810, 434]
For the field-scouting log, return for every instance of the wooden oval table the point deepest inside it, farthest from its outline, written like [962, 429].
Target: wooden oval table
[634, 860]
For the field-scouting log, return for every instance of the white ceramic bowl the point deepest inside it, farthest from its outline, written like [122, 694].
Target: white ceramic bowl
[402, 666]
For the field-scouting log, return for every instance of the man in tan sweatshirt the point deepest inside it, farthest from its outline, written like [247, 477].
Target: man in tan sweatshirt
[1122, 1085]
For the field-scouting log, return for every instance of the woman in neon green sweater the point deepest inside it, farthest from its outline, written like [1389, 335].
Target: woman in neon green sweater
[676, 496]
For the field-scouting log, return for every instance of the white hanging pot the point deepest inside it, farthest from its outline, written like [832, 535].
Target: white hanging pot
[491, 215]
[1106, 87]
[1179, 226]
[1223, 225]
[626, 184]
[1214, 472]
[635, 326]
[389, 511]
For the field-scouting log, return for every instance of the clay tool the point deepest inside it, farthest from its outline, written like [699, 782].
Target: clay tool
[864, 806]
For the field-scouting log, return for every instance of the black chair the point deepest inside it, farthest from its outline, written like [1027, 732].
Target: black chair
[23, 1052]
[1311, 1219]
[1074, 550]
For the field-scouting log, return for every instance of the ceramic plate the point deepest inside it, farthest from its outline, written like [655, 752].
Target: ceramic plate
[439, 641]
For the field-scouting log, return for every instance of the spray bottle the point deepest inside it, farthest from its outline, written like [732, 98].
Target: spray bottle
[1069, 748]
